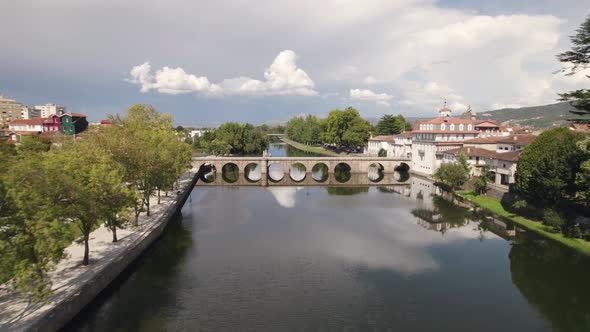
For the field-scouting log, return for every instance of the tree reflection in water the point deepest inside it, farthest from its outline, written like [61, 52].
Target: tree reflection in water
[342, 172]
[230, 172]
[554, 279]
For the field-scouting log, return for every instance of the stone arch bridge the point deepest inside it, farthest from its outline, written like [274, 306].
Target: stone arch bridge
[354, 165]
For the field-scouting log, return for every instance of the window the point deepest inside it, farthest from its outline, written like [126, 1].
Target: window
[461, 127]
[469, 127]
[442, 126]
[452, 127]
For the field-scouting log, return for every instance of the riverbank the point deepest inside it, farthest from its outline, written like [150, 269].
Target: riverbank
[307, 148]
[75, 285]
[493, 205]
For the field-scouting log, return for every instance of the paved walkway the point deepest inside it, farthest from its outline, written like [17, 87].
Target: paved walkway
[70, 277]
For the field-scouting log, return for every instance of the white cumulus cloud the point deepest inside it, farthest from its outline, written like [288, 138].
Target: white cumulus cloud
[282, 77]
[368, 95]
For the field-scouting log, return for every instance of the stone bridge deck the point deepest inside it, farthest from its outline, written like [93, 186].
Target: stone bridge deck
[356, 164]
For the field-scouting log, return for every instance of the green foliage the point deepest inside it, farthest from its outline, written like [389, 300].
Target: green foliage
[304, 130]
[548, 166]
[462, 160]
[583, 176]
[33, 144]
[49, 198]
[382, 152]
[451, 176]
[392, 125]
[553, 219]
[232, 137]
[579, 58]
[345, 127]
[481, 182]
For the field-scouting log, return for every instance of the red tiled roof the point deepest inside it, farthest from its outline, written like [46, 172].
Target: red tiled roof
[31, 121]
[80, 115]
[479, 152]
[405, 134]
[518, 139]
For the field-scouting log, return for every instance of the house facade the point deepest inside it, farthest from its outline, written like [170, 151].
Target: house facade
[72, 123]
[52, 124]
[396, 145]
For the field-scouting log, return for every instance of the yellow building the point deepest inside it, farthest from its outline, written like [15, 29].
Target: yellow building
[9, 110]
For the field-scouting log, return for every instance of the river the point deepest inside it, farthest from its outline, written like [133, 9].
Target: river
[343, 259]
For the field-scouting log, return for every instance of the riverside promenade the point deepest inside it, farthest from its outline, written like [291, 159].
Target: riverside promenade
[75, 285]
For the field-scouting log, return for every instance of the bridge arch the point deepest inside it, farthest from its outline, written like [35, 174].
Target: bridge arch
[375, 172]
[276, 172]
[297, 172]
[342, 172]
[210, 173]
[230, 172]
[253, 172]
[402, 167]
[320, 172]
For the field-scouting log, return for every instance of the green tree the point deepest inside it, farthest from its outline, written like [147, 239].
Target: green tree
[450, 176]
[392, 125]
[579, 59]
[33, 144]
[345, 127]
[548, 166]
[462, 160]
[583, 176]
[219, 147]
[481, 183]
[382, 152]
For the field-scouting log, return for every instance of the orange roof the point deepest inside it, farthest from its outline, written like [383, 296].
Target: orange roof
[80, 115]
[449, 120]
[479, 152]
[31, 121]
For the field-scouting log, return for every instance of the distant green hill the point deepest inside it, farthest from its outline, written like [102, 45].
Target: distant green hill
[540, 117]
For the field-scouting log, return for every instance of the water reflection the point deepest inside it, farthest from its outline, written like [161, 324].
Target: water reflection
[336, 259]
[553, 278]
[375, 172]
[320, 172]
[230, 172]
[297, 172]
[342, 172]
[275, 172]
[285, 196]
[253, 172]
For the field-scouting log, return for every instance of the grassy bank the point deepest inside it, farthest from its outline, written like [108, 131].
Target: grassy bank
[312, 149]
[493, 205]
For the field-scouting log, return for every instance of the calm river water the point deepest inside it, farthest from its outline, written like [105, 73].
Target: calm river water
[343, 259]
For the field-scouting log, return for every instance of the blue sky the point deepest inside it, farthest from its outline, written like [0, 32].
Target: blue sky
[208, 62]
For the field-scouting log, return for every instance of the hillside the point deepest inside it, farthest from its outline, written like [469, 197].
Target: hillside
[539, 117]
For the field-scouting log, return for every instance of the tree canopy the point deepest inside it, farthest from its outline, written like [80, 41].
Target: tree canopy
[451, 176]
[49, 198]
[547, 167]
[578, 58]
[392, 125]
[345, 127]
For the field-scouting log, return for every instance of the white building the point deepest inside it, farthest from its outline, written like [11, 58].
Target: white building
[431, 138]
[29, 113]
[49, 109]
[395, 145]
